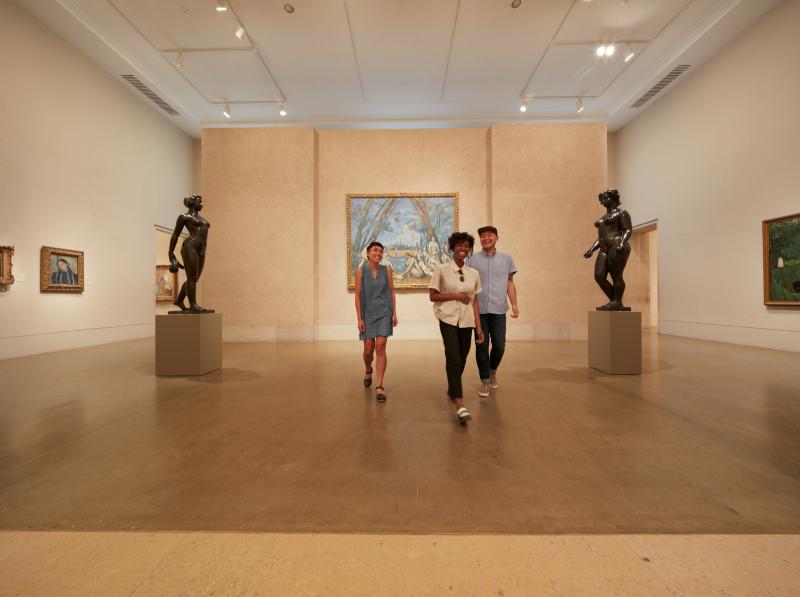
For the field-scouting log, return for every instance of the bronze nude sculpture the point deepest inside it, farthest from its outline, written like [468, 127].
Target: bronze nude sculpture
[193, 251]
[613, 231]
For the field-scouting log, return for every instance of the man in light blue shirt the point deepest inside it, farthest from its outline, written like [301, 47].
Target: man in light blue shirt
[497, 280]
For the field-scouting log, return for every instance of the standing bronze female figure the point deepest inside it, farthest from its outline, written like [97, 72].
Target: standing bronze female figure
[613, 231]
[193, 251]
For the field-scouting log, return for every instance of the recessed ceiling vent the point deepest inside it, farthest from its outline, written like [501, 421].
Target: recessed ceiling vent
[655, 89]
[152, 95]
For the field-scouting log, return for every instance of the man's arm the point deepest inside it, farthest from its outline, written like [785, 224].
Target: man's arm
[512, 295]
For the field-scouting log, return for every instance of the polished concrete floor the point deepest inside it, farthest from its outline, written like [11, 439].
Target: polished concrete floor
[285, 439]
[140, 564]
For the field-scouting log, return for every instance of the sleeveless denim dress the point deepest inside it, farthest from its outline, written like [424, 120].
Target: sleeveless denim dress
[376, 303]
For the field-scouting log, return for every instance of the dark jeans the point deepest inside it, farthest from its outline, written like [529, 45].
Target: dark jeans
[494, 328]
[456, 350]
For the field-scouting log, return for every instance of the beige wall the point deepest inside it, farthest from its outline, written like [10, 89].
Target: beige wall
[259, 195]
[545, 181]
[276, 200]
[83, 165]
[710, 160]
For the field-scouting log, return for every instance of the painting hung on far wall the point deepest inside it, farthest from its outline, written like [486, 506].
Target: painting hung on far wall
[6, 277]
[166, 284]
[781, 237]
[413, 228]
[61, 270]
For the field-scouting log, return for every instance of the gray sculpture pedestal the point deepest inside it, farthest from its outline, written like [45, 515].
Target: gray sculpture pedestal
[615, 341]
[188, 344]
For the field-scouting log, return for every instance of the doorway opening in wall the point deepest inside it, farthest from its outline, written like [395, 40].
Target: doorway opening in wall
[641, 274]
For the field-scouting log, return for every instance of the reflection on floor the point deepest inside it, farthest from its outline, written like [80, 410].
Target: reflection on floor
[285, 438]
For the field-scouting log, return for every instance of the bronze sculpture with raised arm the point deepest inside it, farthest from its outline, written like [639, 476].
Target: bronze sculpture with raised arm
[193, 251]
[613, 231]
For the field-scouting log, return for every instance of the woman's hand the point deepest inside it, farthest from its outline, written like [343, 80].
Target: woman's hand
[462, 297]
[478, 336]
[587, 254]
[394, 321]
[362, 327]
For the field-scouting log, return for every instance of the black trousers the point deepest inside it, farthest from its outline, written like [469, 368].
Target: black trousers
[456, 350]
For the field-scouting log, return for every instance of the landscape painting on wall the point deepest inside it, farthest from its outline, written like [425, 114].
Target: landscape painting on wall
[781, 238]
[413, 228]
[61, 270]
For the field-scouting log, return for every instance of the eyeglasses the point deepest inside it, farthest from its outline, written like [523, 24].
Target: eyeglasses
[461, 277]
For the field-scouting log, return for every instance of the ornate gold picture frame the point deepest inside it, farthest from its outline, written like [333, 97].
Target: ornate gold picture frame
[61, 270]
[6, 275]
[413, 228]
[781, 248]
[166, 287]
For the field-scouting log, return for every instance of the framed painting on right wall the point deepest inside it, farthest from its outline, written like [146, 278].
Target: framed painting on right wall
[781, 238]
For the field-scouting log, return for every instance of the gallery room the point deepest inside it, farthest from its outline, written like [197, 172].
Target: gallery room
[399, 297]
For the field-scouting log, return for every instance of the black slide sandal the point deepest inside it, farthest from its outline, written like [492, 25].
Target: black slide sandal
[380, 394]
[368, 380]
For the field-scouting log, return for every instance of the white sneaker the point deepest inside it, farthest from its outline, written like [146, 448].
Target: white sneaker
[463, 415]
[493, 381]
[484, 391]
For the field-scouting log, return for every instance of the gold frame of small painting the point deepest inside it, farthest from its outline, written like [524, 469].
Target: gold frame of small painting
[6, 277]
[54, 278]
[160, 271]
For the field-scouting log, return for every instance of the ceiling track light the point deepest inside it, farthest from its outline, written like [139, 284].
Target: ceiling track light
[579, 105]
[226, 111]
[606, 50]
[179, 60]
[515, 3]
[282, 111]
[629, 53]
[221, 6]
[239, 32]
[523, 106]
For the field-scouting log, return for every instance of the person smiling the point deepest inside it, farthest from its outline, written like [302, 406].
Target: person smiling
[377, 313]
[454, 290]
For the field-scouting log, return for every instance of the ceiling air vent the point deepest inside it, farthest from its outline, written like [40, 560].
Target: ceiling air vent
[655, 89]
[154, 97]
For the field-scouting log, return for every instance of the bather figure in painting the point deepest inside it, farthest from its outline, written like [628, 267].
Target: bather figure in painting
[193, 252]
[613, 231]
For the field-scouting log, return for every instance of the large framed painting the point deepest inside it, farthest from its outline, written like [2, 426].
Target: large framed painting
[61, 270]
[6, 277]
[166, 284]
[781, 237]
[413, 227]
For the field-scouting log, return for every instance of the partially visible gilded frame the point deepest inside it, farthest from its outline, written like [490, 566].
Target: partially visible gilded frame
[48, 269]
[6, 274]
[413, 227]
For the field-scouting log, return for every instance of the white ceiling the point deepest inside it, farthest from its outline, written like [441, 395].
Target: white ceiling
[397, 63]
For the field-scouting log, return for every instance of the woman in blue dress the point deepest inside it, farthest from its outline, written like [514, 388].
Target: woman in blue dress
[377, 313]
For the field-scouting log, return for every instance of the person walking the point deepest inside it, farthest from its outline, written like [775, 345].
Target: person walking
[497, 271]
[377, 313]
[453, 290]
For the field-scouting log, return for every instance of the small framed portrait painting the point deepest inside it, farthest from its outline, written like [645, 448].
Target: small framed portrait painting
[781, 238]
[6, 277]
[61, 270]
[166, 284]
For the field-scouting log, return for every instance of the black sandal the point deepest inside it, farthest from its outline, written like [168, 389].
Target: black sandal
[380, 393]
[368, 380]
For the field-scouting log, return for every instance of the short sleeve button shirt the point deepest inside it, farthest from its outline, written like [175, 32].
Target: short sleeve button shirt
[494, 271]
[447, 279]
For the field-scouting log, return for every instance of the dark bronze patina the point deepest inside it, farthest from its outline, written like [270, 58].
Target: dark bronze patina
[613, 231]
[193, 251]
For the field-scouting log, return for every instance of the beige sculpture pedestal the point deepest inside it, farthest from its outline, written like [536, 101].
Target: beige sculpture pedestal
[615, 341]
[188, 344]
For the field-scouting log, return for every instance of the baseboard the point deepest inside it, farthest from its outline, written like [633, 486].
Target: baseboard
[788, 340]
[20, 346]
